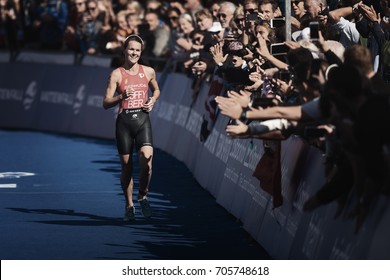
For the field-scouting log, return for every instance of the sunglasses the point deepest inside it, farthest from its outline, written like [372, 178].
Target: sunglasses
[295, 2]
[251, 11]
[173, 18]
[79, 3]
[92, 8]
[222, 15]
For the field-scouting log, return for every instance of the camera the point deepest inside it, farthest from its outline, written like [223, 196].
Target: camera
[252, 16]
[277, 22]
[285, 75]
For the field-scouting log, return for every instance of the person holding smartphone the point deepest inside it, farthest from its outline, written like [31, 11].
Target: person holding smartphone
[133, 127]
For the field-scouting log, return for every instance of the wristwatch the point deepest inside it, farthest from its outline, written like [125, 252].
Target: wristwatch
[243, 115]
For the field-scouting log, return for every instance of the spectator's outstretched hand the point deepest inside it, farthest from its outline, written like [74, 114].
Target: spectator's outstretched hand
[240, 130]
[199, 68]
[283, 86]
[257, 79]
[242, 98]
[370, 13]
[217, 53]
[229, 107]
[263, 49]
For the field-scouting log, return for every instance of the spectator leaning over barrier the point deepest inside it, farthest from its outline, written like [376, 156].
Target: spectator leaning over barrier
[128, 86]
[231, 62]
[303, 85]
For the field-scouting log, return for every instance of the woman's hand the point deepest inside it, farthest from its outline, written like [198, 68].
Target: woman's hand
[148, 106]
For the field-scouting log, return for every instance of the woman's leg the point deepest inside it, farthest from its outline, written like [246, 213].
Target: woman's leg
[145, 162]
[127, 179]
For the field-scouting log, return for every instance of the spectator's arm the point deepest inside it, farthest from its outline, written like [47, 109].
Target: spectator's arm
[336, 15]
[264, 52]
[331, 57]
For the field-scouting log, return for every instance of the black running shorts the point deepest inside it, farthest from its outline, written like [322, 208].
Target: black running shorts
[133, 126]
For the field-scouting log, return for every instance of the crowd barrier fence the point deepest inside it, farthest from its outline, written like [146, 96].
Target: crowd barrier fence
[67, 98]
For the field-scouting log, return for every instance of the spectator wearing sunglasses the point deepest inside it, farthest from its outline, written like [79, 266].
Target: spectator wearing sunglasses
[226, 13]
[299, 13]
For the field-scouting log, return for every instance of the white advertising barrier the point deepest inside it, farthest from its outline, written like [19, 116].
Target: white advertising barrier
[68, 99]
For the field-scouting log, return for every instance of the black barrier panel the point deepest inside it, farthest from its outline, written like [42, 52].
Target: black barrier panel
[57, 98]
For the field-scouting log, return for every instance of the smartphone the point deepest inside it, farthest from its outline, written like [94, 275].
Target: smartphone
[314, 30]
[315, 66]
[285, 75]
[277, 22]
[314, 132]
[279, 48]
[252, 16]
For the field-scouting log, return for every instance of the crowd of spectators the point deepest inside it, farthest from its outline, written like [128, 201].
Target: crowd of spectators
[328, 83]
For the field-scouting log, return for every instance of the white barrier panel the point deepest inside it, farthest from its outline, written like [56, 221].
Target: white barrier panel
[40, 57]
[62, 98]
